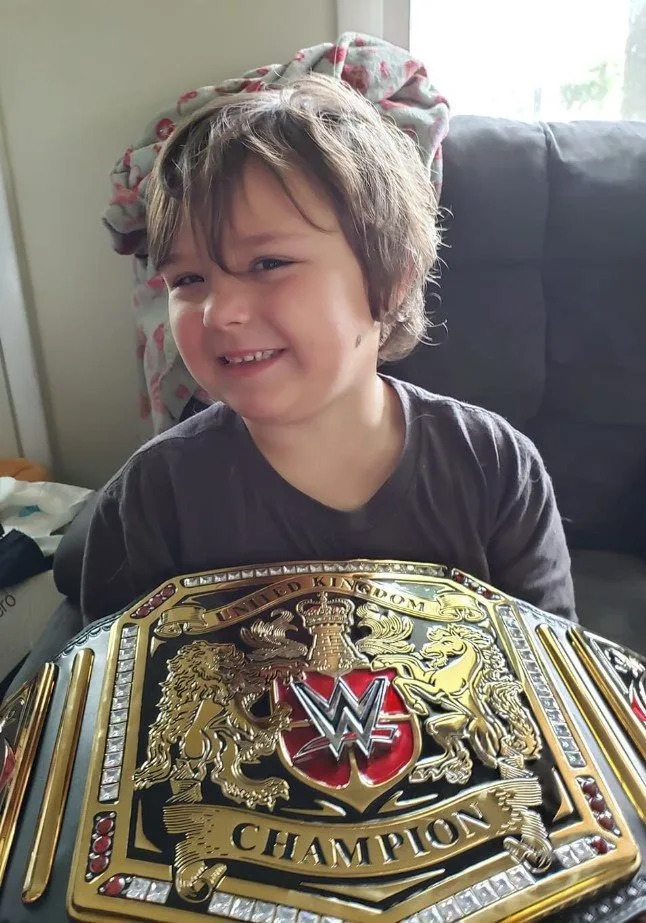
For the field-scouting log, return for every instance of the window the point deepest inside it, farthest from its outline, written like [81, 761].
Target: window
[535, 59]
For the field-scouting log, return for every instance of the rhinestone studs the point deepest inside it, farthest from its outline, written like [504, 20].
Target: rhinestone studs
[113, 756]
[136, 888]
[548, 702]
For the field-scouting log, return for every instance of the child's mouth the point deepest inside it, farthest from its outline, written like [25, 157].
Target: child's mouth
[254, 359]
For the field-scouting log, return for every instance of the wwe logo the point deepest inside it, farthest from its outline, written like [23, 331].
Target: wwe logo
[344, 719]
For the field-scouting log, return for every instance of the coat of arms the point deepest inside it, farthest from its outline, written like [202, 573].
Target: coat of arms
[356, 712]
[320, 742]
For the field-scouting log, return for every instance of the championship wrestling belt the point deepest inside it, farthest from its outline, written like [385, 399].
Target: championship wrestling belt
[319, 742]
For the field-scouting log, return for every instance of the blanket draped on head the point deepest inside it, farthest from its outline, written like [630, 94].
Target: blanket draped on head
[385, 74]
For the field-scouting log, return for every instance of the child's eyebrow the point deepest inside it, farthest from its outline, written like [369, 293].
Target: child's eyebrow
[170, 260]
[250, 240]
[267, 237]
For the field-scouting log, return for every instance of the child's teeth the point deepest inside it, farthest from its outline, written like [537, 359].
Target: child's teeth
[254, 357]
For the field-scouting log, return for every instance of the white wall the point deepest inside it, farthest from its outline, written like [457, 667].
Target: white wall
[8, 440]
[79, 79]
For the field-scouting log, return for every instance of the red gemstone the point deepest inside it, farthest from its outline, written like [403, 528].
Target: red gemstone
[99, 864]
[105, 825]
[115, 885]
[590, 787]
[168, 591]
[102, 844]
[598, 803]
[638, 704]
[599, 845]
[157, 599]
[606, 821]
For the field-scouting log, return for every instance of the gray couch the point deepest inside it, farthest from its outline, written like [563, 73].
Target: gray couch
[544, 291]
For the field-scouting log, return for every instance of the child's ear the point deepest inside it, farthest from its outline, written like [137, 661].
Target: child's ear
[401, 290]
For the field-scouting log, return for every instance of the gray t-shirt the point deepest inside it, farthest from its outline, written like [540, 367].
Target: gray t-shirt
[468, 491]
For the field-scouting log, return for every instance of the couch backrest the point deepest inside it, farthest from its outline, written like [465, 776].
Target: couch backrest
[543, 288]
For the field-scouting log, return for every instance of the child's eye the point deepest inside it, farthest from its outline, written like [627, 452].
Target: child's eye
[190, 278]
[267, 264]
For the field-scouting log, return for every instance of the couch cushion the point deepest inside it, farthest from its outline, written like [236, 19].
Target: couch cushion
[472, 360]
[543, 289]
[494, 202]
[610, 594]
[599, 473]
[592, 424]
[494, 193]
[595, 272]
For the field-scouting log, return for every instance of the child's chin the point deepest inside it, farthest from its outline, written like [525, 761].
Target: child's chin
[256, 411]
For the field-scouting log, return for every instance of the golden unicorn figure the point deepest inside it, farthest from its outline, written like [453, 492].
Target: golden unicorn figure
[461, 671]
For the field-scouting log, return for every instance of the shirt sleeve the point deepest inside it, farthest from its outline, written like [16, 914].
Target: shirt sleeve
[129, 547]
[527, 551]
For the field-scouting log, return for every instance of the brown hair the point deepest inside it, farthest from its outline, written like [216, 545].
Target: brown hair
[369, 169]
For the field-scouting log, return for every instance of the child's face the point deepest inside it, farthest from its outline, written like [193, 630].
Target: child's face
[296, 296]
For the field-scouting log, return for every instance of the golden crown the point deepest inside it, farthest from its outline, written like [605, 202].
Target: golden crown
[326, 611]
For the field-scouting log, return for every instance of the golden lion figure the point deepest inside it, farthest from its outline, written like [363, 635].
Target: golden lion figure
[204, 719]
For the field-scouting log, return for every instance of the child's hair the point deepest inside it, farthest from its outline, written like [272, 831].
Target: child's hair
[370, 171]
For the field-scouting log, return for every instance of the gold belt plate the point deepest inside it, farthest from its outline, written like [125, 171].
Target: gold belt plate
[325, 741]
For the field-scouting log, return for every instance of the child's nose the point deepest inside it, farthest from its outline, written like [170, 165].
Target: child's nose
[226, 303]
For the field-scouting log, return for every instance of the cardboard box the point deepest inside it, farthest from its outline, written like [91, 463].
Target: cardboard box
[24, 611]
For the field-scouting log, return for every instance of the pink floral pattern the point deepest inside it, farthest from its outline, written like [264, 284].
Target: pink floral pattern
[164, 128]
[336, 54]
[357, 76]
[186, 98]
[385, 74]
[158, 336]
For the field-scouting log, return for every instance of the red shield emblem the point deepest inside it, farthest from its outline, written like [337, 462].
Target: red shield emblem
[351, 736]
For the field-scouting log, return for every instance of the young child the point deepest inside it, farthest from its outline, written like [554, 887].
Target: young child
[295, 229]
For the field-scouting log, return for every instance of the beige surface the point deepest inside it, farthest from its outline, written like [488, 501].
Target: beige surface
[79, 79]
[25, 609]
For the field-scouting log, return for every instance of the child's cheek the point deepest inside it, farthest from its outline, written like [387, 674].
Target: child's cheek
[188, 329]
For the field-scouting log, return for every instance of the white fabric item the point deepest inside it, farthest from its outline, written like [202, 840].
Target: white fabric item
[39, 508]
